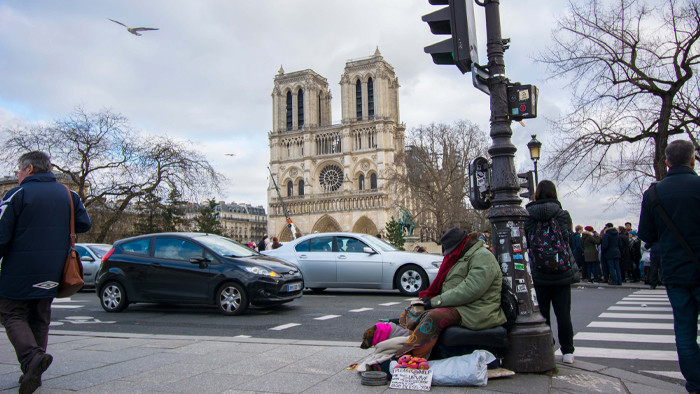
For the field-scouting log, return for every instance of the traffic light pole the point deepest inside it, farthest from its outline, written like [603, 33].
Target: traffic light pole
[530, 348]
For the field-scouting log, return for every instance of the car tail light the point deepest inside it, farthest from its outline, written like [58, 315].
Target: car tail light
[106, 256]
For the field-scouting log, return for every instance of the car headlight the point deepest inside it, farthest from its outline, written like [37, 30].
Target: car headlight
[262, 271]
[436, 264]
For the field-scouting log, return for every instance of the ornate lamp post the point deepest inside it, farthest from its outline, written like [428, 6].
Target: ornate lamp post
[534, 147]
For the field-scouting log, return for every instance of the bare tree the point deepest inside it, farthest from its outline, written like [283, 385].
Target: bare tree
[437, 158]
[112, 167]
[633, 66]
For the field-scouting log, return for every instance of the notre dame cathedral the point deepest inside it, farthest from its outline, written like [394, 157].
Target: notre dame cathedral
[334, 176]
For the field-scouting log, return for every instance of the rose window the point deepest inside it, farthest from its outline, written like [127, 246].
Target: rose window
[331, 178]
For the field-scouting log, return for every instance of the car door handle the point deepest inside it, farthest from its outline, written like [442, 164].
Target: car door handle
[302, 256]
[342, 256]
[155, 265]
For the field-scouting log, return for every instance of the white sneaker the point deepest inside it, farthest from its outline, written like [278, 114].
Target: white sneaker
[568, 358]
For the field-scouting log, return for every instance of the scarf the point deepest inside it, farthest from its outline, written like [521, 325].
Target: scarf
[447, 263]
[381, 333]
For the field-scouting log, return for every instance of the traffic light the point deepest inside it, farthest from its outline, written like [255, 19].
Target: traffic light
[456, 19]
[528, 182]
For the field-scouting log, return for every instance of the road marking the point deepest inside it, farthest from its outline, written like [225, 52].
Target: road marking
[670, 374]
[243, 336]
[657, 299]
[64, 300]
[390, 303]
[326, 317]
[642, 303]
[636, 316]
[628, 354]
[620, 337]
[634, 326]
[65, 306]
[285, 326]
[361, 310]
[641, 308]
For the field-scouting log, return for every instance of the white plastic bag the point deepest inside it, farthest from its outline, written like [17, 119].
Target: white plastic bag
[467, 370]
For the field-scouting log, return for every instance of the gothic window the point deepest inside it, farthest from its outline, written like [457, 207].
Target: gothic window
[301, 187]
[290, 189]
[361, 182]
[328, 144]
[373, 181]
[289, 110]
[300, 108]
[370, 98]
[331, 178]
[358, 99]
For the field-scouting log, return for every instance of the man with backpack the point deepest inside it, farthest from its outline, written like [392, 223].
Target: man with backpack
[670, 218]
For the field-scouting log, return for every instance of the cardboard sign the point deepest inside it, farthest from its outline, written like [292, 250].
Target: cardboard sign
[411, 379]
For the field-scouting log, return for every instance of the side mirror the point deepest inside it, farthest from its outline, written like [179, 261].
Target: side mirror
[369, 250]
[86, 258]
[203, 263]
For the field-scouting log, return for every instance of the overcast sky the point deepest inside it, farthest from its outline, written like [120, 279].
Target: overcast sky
[206, 76]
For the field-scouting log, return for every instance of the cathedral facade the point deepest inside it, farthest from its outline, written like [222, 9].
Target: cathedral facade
[334, 176]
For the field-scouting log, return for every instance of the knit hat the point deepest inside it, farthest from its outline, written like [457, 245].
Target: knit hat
[588, 228]
[451, 239]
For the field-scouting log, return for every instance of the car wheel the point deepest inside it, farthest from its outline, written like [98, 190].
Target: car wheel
[231, 299]
[113, 297]
[410, 280]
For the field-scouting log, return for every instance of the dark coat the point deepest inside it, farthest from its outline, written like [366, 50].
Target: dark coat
[35, 236]
[590, 251]
[626, 259]
[612, 244]
[544, 210]
[679, 194]
[577, 244]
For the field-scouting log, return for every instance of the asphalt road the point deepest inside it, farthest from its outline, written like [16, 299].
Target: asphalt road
[343, 315]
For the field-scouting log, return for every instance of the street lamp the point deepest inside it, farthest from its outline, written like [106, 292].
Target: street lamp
[534, 147]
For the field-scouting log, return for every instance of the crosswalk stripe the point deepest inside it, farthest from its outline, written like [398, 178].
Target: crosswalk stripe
[389, 303]
[360, 310]
[65, 306]
[641, 308]
[670, 374]
[656, 299]
[285, 326]
[643, 303]
[659, 316]
[326, 317]
[635, 326]
[623, 337]
[628, 354]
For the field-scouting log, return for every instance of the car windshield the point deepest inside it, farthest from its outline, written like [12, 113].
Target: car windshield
[225, 247]
[100, 250]
[379, 243]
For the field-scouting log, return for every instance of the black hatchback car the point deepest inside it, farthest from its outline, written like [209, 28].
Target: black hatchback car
[193, 268]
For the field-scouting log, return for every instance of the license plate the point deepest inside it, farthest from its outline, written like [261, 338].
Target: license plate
[294, 286]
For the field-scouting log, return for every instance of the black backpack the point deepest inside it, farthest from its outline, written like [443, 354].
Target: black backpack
[509, 304]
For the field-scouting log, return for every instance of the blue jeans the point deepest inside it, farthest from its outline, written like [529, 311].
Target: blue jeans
[614, 271]
[685, 301]
[592, 271]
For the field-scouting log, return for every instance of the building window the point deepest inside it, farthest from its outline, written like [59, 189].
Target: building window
[331, 178]
[290, 188]
[370, 98]
[289, 111]
[361, 182]
[328, 144]
[358, 99]
[319, 110]
[300, 108]
[373, 181]
[301, 187]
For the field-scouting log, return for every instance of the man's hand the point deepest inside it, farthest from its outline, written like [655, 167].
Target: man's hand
[427, 303]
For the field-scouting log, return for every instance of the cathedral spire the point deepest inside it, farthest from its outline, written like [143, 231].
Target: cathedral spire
[377, 53]
[281, 70]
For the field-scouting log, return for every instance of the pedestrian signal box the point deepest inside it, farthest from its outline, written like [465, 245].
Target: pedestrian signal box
[522, 101]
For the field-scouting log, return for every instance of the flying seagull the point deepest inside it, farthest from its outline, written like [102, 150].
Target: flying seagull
[134, 30]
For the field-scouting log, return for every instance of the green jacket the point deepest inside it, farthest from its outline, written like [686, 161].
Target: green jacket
[473, 286]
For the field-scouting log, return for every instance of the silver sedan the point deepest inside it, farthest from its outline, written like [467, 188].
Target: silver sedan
[353, 260]
[91, 257]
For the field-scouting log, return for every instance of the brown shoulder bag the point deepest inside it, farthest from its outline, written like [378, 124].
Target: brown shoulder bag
[72, 277]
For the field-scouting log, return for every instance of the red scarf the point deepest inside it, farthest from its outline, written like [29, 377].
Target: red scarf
[447, 263]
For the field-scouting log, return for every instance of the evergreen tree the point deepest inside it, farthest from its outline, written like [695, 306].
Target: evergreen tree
[208, 219]
[149, 218]
[394, 234]
[173, 213]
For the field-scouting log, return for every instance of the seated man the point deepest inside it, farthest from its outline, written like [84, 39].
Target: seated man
[466, 291]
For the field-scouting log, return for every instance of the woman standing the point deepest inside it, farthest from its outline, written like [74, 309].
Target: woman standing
[591, 240]
[553, 289]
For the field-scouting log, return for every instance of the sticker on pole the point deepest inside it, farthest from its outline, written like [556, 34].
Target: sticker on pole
[411, 379]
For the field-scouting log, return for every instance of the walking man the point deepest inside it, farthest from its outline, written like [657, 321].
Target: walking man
[34, 244]
[679, 196]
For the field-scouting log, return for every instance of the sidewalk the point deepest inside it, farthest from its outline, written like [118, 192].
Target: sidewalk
[91, 362]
